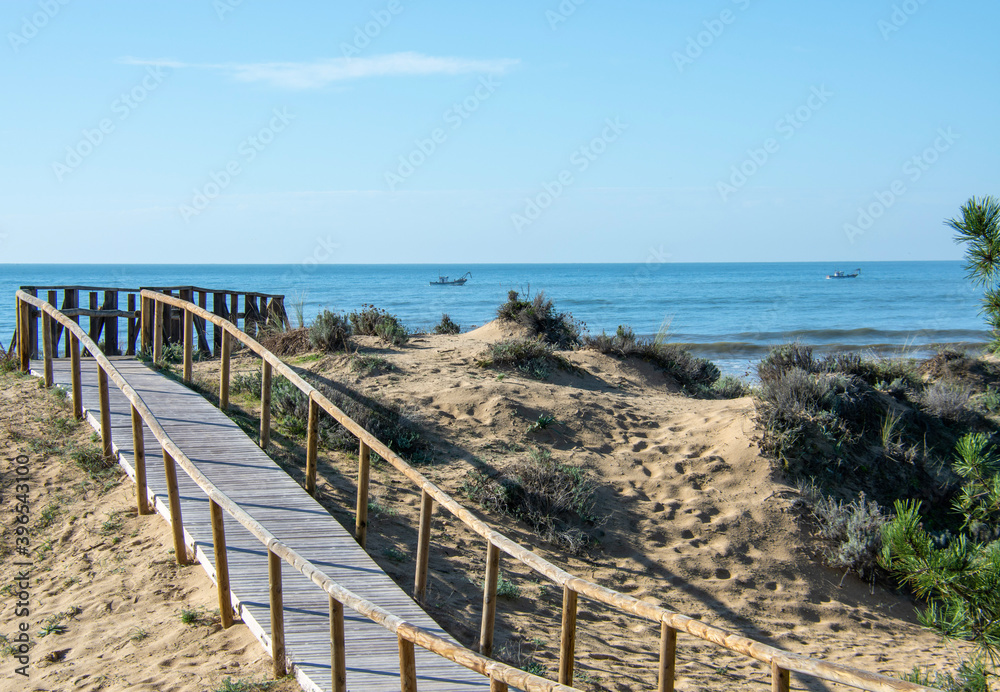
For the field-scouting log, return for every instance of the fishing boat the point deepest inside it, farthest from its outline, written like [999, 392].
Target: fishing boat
[444, 281]
[841, 275]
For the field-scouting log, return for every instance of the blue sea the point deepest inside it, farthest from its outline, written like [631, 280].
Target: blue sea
[731, 313]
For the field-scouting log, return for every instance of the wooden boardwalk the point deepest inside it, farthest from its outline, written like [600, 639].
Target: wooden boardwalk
[224, 453]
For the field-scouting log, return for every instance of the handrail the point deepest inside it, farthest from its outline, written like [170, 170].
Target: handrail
[405, 630]
[781, 661]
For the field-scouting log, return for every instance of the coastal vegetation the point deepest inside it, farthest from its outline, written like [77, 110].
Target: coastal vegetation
[447, 326]
[540, 319]
[690, 372]
[863, 435]
[373, 321]
[555, 499]
[978, 227]
[532, 356]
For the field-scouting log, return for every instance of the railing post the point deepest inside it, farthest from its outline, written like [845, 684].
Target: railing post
[567, 643]
[70, 300]
[32, 332]
[146, 323]
[47, 347]
[55, 326]
[132, 325]
[668, 658]
[497, 685]
[23, 340]
[265, 405]
[157, 330]
[173, 496]
[338, 662]
[74, 353]
[364, 468]
[103, 395]
[423, 546]
[277, 614]
[221, 564]
[489, 600]
[779, 678]
[139, 453]
[407, 666]
[94, 323]
[224, 371]
[188, 343]
[312, 444]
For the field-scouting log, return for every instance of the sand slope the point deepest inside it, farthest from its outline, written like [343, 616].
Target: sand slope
[691, 516]
[103, 573]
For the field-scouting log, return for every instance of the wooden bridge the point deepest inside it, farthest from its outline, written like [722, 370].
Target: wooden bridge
[325, 611]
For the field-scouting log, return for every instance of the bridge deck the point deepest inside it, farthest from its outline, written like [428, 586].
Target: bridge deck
[238, 466]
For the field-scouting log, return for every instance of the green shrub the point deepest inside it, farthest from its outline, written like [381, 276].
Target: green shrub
[330, 331]
[548, 496]
[391, 331]
[368, 363]
[730, 387]
[689, 371]
[853, 529]
[957, 575]
[247, 383]
[971, 676]
[446, 326]
[948, 402]
[783, 358]
[8, 361]
[539, 317]
[979, 228]
[172, 353]
[531, 356]
[383, 420]
[97, 466]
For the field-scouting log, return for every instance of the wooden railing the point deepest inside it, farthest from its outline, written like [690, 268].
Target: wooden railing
[104, 309]
[780, 662]
[501, 675]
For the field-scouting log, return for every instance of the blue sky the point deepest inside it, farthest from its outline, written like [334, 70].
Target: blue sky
[449, 132]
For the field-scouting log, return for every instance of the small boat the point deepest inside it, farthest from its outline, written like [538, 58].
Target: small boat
[444, 281]
[841, 275]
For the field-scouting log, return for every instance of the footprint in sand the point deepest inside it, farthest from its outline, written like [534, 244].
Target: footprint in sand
[639, 446]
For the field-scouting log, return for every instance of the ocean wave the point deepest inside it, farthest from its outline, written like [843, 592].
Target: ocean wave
[755, 351]
[863, 335]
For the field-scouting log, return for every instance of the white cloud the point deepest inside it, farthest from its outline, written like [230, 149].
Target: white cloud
[320, 73]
